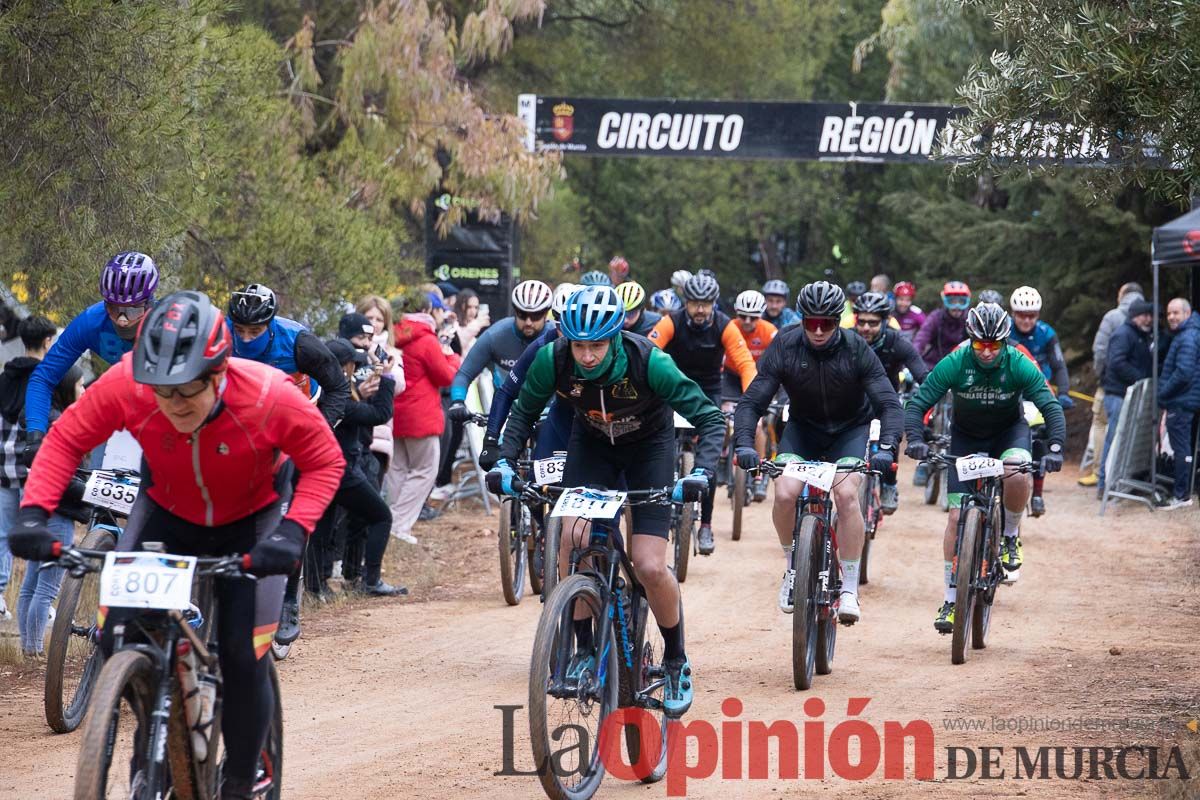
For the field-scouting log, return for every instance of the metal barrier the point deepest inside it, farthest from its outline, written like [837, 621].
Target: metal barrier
[1131, 455]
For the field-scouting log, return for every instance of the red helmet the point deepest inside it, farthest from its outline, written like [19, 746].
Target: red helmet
[956, 289]
[619, 266]
[905, 289]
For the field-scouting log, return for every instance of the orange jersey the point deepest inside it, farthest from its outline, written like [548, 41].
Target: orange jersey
[757, 340]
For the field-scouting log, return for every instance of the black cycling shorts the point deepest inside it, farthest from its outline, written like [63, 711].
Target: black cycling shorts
[812, 444]
[648, 464]
[731, 386]
[1013, 441]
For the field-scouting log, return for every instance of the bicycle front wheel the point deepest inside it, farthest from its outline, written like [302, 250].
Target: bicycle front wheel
[115, 752]
[515, 526]
[965, 570]
[73, 658]
[550, 557]
[569, 696]
[805, 609]
[687, 522]
[981, 616]
[740, 500]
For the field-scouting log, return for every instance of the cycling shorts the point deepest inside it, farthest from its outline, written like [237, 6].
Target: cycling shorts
[1012, 442]
[731, 386]
[812, 444]
[647, 464]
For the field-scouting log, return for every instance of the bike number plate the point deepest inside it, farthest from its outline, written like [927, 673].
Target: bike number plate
[972, 468]
[146, 580]
[588, 503]
[548, 471]
[106, 491]
[681, 423]
[818, 474]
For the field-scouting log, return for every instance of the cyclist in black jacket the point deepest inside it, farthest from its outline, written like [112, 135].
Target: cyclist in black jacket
[836, 386]
[871, 312]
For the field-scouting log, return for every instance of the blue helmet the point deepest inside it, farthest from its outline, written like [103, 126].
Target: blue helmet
[593, 314]
[595, 278]
[665, 300]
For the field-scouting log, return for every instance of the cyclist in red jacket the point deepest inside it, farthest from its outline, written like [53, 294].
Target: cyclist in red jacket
[216, 435]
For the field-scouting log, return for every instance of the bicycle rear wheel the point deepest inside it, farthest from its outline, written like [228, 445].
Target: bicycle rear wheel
[268, 778]
[566, 715]
[804, 613]
[515, 526]
[645, 670]
[965, 570]
[73, 659]
[115, 750]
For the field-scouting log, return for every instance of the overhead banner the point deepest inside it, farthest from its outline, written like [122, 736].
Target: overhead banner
[870, 132]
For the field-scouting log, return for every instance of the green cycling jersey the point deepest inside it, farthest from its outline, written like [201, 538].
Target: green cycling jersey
[987, 399]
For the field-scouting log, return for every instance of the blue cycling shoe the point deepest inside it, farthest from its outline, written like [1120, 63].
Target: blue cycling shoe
[677, 691]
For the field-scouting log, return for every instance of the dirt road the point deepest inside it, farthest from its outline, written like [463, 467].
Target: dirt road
[398, 699]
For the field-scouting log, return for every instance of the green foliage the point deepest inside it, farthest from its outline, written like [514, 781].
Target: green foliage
[1125, 71]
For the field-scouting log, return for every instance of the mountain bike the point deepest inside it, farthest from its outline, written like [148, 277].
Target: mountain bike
[737, 484]
[977, 568]
[521, 534]
[685, 517]
[567, 709]
[818, 583]
[155, 723]
[73, 659]
[872, 509]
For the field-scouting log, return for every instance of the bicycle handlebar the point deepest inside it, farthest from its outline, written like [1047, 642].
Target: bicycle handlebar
[774, 469]
[633, 497]
[948, 460]
[83, 561]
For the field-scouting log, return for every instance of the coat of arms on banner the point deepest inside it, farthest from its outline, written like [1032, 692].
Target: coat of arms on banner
[564, 121]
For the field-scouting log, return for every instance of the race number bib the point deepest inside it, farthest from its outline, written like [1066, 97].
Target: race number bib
[972, 468]
[547, 471]
[588, 503]
[146, 580]
[818, 474]
[681, 423]
[107, 491]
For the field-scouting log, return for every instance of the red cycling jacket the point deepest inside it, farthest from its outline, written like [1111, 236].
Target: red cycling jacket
[222, 472]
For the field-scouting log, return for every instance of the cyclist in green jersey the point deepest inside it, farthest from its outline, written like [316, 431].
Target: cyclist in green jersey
[988, 381]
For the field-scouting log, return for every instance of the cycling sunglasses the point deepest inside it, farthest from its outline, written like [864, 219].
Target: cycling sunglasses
[167, 392]
[819, 324]
[868, 323]
[528, 316]
[1026, 314]
[748, 318]
[131, 313]
[957, 301]
[980, 346]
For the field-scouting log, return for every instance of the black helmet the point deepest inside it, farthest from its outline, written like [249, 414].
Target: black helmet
[873, 303]
[991, 296]
[183, 338]
[703, 288]
[821, 299]
[856, 288]
[988, 322]
[254, 305]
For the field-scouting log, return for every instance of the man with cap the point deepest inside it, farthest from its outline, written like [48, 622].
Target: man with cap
[1129, 360]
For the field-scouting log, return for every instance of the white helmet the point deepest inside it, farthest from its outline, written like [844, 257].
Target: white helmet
[561, 293]
[532, 297]
[1025, 299]
[679, 277]
[750, 302]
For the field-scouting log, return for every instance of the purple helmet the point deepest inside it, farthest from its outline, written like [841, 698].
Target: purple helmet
[128, 279]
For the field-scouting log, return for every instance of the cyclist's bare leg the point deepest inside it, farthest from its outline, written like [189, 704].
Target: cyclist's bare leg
[951, 536]
[850, 527]
[649, 555]
[1017, 486]
[760, 440]
[783, 511]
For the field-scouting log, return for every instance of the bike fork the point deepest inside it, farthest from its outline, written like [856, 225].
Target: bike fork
[160, 718]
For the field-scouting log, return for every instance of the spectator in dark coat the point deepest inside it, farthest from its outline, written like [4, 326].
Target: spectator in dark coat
[1129, 361]
[1179, 392]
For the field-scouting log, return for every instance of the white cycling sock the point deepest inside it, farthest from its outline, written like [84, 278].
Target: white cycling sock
[850, 576]
[787, 556]
[948, 567]
[1012, 523]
